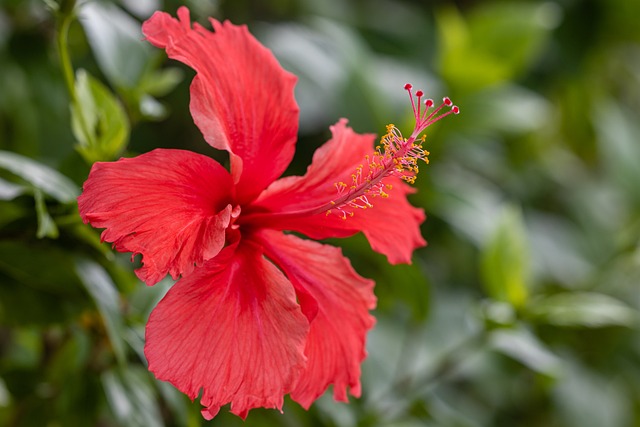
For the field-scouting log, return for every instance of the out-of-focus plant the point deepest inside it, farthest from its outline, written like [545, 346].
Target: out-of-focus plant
[523, 309]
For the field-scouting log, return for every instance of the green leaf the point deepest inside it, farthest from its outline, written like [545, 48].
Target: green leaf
[151, 108]
[117, 42]
[161, 82]
[38, 284]
[71, 357]
[42, 177]
[99, 122]
[617, 131]
[505, 259]
[41, 266]
[46, 225]
[514, 110]
[589, 397]
[131, 397]
[495, 43]
[11, 212]
[582, 309]
[521, 345]
[107, 299]
[26, 350]
[9, 190]
[401, 284]
[86, 234]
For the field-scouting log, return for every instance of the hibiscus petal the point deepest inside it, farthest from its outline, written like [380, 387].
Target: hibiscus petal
[392, 226]
[339, 301]
[241, 99]
[233, 329]
[171, 206]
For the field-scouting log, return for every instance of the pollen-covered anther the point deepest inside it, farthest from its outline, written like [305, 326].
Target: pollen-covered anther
[425, 118]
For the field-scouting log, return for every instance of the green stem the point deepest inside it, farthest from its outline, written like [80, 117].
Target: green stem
[62, 39]
[63, 51]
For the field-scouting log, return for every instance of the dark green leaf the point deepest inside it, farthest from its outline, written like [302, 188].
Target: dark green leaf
[38, 284]
[41, 266]
[582, 309]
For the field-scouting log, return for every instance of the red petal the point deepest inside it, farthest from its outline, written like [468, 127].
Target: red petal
[233, 329]
[392, 226]
[171, 206]
[241, 99]
[339, 314]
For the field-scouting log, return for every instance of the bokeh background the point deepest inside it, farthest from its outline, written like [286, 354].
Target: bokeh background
[522, 310]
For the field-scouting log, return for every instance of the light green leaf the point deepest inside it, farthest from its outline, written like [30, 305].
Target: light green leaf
[494, 42]
[521, 345]
[131, 397]
[514, 110]
[117, 42]
[99, 121]
[9, 190]
[105, 295]
[46, 225]
[587, 397]
[505, 260]
[42, 177]
[582, 309]
[617, 131]
[160, 82]
[151, 109]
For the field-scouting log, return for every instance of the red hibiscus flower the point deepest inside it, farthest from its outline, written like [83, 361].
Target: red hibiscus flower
[257, 313]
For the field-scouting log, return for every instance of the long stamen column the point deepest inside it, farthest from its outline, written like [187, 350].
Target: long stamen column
[396, 156]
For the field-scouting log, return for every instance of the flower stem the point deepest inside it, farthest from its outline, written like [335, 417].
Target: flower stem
[65, 18]
[65, 60]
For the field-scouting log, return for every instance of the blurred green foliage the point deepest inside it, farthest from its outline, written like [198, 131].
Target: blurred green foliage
[523, 309]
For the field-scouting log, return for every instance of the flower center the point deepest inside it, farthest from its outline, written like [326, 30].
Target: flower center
[395, 156]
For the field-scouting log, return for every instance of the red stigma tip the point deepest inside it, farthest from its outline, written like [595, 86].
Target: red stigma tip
[428, 103]
[419, 93]
[447, 101]
[455, 109]
[408, 86]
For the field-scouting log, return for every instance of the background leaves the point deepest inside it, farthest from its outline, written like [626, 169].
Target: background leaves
[523, 309]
